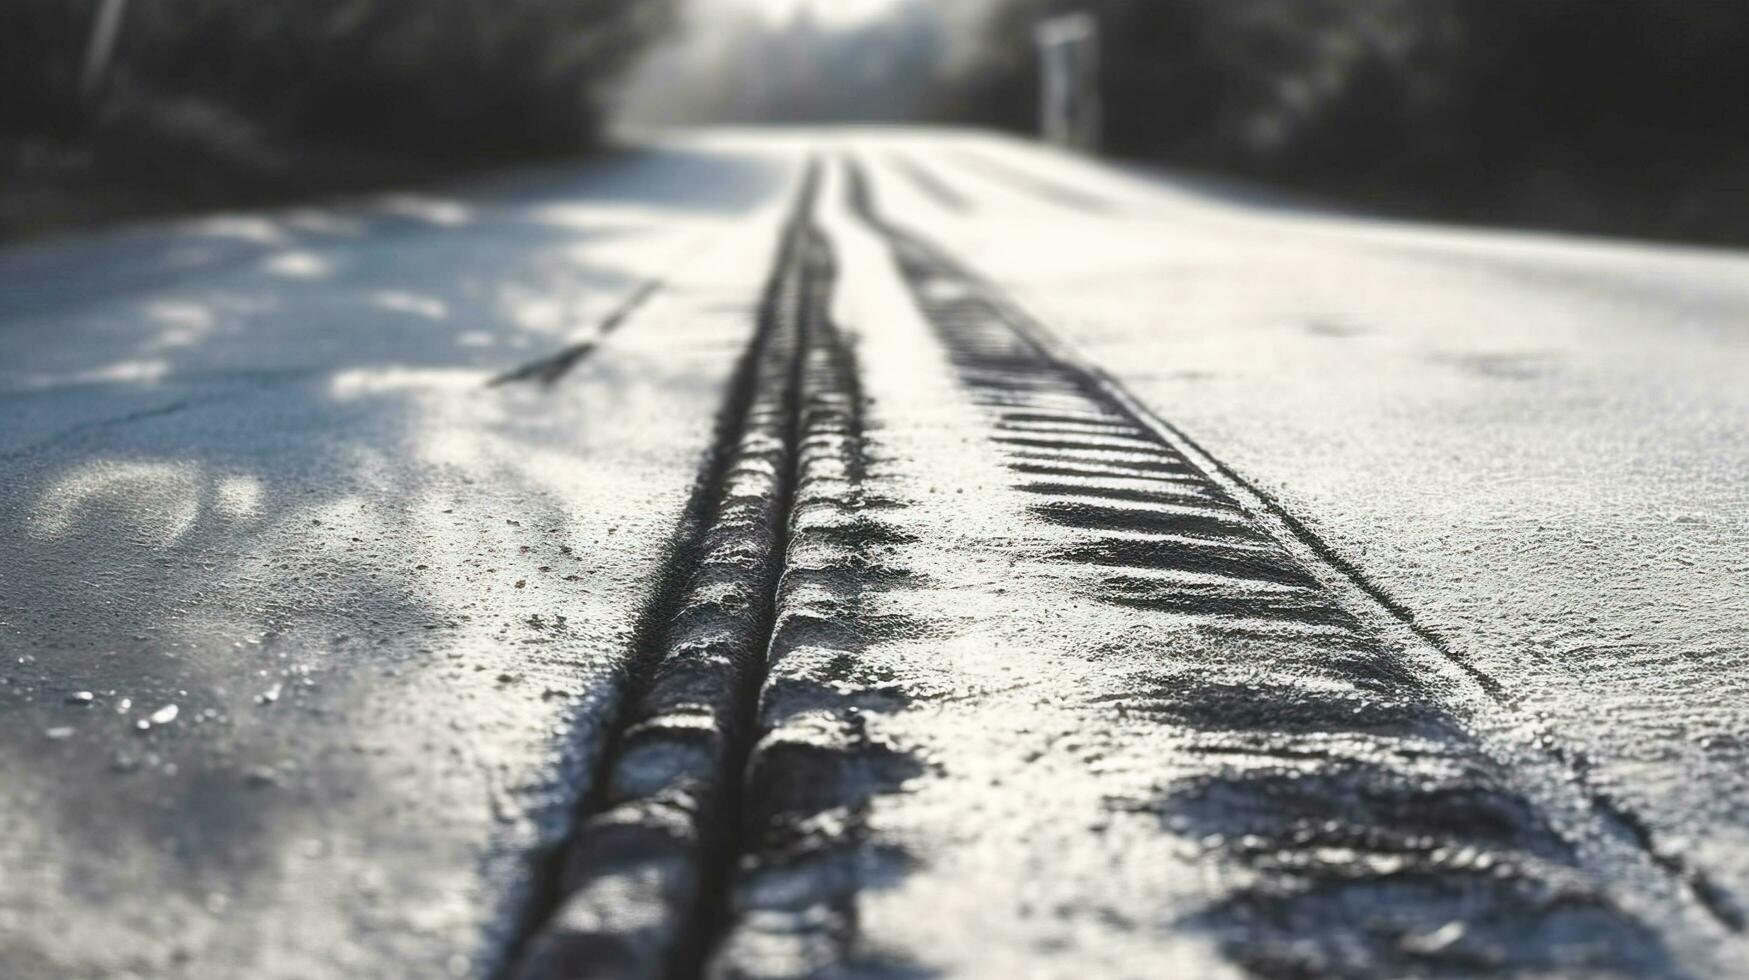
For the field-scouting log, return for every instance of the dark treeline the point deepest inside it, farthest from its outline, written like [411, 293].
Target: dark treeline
[234, 99]
[444, 76]
[1609, 115]
[1604, 115]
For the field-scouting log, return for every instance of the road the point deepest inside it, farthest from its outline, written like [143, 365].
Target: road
[880, 553]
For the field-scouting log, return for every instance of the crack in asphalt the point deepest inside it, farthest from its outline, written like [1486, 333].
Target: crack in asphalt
[100, 425]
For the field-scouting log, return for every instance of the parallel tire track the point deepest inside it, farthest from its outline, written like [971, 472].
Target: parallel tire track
[1365, 826]
[1355, 821]
[641, 877]
[819, 763]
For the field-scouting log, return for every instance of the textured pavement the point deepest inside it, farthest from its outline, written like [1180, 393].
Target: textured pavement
[869, 553]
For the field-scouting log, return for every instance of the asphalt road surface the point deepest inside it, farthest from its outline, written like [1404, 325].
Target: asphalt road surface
[877, 554]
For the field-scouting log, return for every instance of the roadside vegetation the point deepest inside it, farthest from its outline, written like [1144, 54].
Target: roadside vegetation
[1626, 116]
[228, 101]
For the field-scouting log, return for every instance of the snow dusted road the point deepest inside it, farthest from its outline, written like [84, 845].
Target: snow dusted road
[870, 553]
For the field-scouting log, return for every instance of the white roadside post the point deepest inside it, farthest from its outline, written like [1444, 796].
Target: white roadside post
[1069, 109]
[105, 31]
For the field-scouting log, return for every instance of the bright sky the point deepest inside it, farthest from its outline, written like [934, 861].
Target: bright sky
[827, 11]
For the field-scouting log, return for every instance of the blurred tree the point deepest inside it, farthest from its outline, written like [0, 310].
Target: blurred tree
[1248, 83]
[436, 76]
[42, 43]
[1567, 111]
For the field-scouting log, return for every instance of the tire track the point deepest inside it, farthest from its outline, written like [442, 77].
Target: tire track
[1044, 188]
[747, 744]
[930, 184]
[1348, 813]
[1364, 823]
[636, 887]
[818, 764]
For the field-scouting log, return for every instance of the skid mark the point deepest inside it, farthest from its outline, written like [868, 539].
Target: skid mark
[930, 183]
[820, 760]
[727, 832]
[632, 889]
[1355, 821]
[548, 370]
[1060, 194]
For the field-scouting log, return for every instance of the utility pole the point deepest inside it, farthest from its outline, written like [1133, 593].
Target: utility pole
[1069, 105]
[105, 31]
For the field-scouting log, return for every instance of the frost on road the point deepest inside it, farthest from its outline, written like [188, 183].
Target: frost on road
[880, 554]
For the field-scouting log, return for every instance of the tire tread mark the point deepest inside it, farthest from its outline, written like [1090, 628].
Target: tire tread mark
[1368, 686]
[633, 890]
